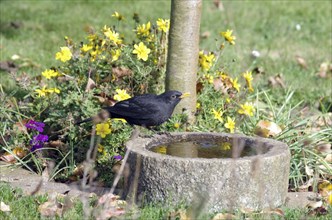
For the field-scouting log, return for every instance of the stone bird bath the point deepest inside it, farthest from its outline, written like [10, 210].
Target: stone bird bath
[256, 180]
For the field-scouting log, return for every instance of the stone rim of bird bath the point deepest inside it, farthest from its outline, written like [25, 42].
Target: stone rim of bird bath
[253, 182]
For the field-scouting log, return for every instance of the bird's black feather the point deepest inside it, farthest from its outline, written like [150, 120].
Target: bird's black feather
[145, 110]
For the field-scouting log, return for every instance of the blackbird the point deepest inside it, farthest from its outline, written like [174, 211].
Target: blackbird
[145, 110]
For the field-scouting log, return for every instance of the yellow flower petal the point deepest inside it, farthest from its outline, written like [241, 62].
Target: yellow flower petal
[103, 129]
[163, 25]
[121, 95]
[230, 124]
[142, 51]
[64, 55]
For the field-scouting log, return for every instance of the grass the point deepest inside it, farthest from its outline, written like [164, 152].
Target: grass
[35, 30]
[23, 206]
[27, 207]
[268, 27]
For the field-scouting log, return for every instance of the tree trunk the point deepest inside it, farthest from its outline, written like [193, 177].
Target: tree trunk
[183, 49]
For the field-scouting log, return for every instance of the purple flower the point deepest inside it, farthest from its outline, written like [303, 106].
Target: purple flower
[38, 141]
[36, 147]
[35, 125]
[118, 157]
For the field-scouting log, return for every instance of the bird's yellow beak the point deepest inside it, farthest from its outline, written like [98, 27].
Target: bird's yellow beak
[184, 95]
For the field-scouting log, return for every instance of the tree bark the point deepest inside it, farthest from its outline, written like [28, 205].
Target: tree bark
[183, 49]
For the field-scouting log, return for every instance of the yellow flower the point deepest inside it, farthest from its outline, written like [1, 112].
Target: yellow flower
[161, 149]
[206, 60]
[92, 37]
[121, 95]
[209, 78]
[176, 125]
[247, 109]
[230, 124]
[52, 90]
[94, 53]
[222, 75]
[100, 148]
[143, 30]
[42, 92]
[120, 119]
[151, 38]
[235, 84]
[86, 48]
[163, 25]
[226, 146]
[103, 42]
[217, 115]
[115, 54]
[142, 51]
[228, 36]
[103, 129]
[112, 35]
[248, 77]
[198, 105]
[48, 74]
[118, 16]
[64, 55]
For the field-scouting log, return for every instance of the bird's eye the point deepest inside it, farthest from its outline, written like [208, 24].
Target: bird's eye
[173, 97]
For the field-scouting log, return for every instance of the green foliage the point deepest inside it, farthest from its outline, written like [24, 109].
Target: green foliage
[96, 67]
[26, 207]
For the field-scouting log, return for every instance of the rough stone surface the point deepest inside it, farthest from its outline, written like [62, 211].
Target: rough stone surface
[299, 199]
[30, 182]
[254, 182]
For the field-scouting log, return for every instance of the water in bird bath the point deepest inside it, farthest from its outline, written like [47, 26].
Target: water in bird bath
[204, 149]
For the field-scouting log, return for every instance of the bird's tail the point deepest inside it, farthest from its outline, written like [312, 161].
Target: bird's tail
[83, 121]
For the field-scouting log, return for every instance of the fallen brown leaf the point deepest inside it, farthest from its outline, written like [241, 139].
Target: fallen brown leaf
[199, 87]
[323, 69]
[51, 208]
[218, 5]
[8, 66]
[328, 158]
[120, 72]
[205, 34]
[19, 152]
[8, 158]
[258, 70]
[218, 84]
[105, 99]
[224, 216]
[246, 210]
[315, 204]
[58, 145]
[324, 147]
[267, 129]
[277, 80]
[111, 206]
[19, 126]
[301, 61]
[90, 85]
[305, 187]
[179, 214]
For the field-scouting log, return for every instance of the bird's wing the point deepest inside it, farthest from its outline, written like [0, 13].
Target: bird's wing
[139, 107]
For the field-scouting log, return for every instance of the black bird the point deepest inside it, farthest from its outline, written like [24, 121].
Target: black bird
[145, 110]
